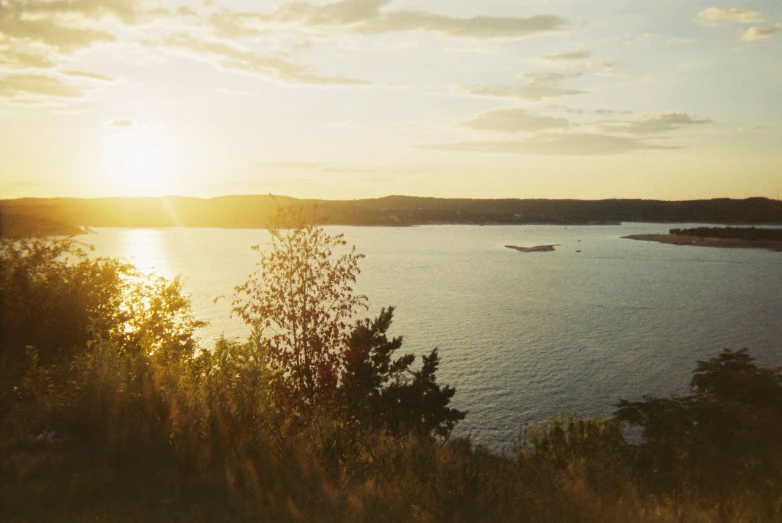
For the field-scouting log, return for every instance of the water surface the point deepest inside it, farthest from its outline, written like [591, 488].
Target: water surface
[522, 336]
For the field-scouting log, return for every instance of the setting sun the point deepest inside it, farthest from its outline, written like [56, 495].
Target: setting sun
[139, 163]
[366, 98]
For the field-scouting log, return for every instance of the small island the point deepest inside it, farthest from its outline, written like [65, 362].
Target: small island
[730, 237]
[537, 248]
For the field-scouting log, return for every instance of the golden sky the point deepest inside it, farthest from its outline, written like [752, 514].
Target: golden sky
[366, 98]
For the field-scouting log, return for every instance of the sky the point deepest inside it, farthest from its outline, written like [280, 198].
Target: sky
[354, 99]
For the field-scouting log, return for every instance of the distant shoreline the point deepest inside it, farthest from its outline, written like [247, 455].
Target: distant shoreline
[675, 239]
[260, 211]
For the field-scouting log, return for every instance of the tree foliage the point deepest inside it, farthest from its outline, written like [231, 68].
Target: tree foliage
[300, 304]
[56, 298]
[724, 435]
[76, 329]
[732, 233]
[384, 392]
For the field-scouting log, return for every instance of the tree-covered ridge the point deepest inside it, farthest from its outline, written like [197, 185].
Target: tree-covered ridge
[733, 233]
[259, 211]
[110, 411]
[24, 225]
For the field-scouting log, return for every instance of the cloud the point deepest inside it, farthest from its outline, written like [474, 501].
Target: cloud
[657, 123]
[91, 76]
[121, 123]
[540, 85]
[129, 124]
[27, 87]
[184, 10]
[67, 25]
[575, 55]
[474, 27]
[51, 32]
[760, 33]
[366, 16]
[577, 59]
[515, 120]
[558, 144]
[611, 111]
[753, 127]
[715, 16]
[125, 10]
[12, 56]
[231, 25]
[345, 12]
[232, 57]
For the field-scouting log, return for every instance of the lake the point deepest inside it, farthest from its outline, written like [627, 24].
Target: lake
[522, 336]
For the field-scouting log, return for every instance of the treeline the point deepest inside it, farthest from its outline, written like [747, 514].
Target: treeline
[253, 211]
[733, 233]
[27, 226]
[109, 410]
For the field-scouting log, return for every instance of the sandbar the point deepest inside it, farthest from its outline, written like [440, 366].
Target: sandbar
[675, 239]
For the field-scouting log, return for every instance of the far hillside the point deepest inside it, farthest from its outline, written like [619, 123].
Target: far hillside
[254, 211]
[25, 225]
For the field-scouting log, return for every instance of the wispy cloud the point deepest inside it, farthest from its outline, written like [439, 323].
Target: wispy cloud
[184, 10]
[558, 144]
[65, 25]
[125, 10]
[760, 33]
[13, 56]
[121, 123]
[656, 123]
[714, 16]
[132, 124]
[576, 59]
[367, 17]
[242, 59]
[515, 120]
[539, 86]
[567, 57]
[89, 75]
[30, 87]
[60, 35]
[611, 111]
[227, 24]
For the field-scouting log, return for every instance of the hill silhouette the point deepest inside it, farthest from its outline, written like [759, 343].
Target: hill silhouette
[253, 211]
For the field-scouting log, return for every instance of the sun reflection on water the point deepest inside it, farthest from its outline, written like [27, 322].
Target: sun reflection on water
[146, 249]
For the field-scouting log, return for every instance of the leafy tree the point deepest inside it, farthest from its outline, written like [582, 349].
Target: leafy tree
[723, 436]
[56, 298]
[90, 334]
[300, 304]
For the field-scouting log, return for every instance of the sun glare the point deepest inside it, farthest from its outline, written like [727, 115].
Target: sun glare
[139, 164]
[146, 249]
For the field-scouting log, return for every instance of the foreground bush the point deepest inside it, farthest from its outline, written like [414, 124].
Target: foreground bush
[721, 439]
